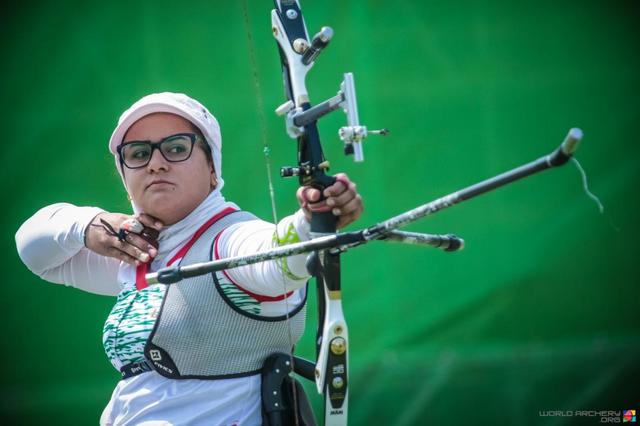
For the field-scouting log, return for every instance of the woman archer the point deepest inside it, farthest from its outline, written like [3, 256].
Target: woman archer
[211, 339]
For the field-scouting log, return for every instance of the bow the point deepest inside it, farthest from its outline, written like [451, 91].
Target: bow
[297, 56]
[298, 53]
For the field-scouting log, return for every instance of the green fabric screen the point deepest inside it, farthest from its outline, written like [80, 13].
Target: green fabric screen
[538, 313]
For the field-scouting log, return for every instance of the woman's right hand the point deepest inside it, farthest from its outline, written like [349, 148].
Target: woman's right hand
[134, 250]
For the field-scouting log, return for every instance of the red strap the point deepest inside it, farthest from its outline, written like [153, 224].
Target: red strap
[258, 297]
[180, 254]
[141, 270]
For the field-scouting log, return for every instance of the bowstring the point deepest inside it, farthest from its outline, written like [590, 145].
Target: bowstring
[267, 158]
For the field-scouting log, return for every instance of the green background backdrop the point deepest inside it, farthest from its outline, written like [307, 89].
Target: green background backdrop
[539, 312]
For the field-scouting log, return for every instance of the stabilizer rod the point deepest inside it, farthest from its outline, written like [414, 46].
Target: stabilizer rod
[386, 229]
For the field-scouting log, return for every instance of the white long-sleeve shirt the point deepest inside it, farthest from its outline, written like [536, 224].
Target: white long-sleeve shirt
[51, 244]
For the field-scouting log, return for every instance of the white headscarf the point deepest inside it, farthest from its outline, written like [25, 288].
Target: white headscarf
[174, 103]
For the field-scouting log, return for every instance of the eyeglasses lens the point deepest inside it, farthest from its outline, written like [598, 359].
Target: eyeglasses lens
[174, 149]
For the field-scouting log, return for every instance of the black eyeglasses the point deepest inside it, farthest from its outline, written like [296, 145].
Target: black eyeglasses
[174, 148]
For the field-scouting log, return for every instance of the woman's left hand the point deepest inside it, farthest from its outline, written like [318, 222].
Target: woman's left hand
[341, 198]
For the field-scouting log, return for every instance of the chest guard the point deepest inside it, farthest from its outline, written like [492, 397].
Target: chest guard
[200, 334]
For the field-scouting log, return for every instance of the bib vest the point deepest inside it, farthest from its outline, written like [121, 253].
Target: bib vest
[199, 333]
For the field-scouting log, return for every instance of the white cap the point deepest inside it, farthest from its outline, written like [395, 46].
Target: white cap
[174, 103]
